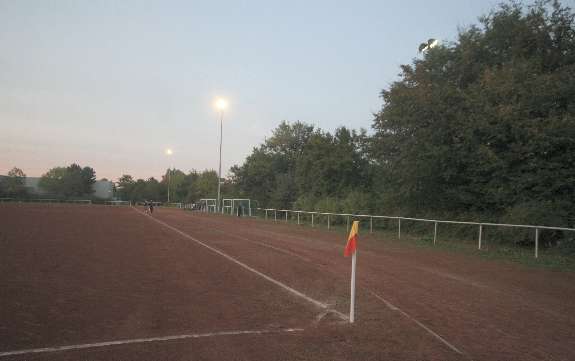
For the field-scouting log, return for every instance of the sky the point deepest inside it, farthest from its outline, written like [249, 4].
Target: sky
[112, 84]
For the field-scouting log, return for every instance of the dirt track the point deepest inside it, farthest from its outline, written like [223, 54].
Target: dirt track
[85, 274]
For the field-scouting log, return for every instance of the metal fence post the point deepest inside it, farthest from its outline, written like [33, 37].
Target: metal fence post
[298, 218]
[347, 224]
[435, 233]
[480, 231]
[399, 228]
[370, 224]
[312, 220]
[328, 222]
[536, 242]
[266, 214]
[275, 215]
[286, 216]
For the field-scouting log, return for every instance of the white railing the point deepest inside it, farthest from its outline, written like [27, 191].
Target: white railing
[45, 200]
[118, 203]
[173, 205]
[436, 222]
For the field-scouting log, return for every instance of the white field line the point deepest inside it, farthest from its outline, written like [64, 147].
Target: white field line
[144, 340]
[392, 307]
[284, 235]
[264, 276]
[263, 244]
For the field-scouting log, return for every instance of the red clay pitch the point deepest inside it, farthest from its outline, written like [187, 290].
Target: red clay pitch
[77, 275]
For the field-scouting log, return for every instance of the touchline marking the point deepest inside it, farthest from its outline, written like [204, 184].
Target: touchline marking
[264, 276]
[263, 244]
[392, 307]
[283, 235]
[144, 340]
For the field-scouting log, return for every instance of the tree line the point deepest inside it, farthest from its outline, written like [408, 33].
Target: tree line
[480, 128]
[74, 181]
[70, 182]
[184, 187]
[12, 185]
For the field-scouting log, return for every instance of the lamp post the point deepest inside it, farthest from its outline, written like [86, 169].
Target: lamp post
[430, 44]
[169, 153]
[221, 105]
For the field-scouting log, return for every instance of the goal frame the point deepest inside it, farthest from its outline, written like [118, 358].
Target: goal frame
[208, 205]
[232, 204]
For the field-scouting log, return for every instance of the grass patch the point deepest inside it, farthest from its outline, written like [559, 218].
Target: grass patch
[548, 258]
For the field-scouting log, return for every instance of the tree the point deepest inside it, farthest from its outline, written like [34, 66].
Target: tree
[13, 184]
[88, 176]
[153, 190]
[125, 187]
[268, 174]
[71, 181]
[177, 183]
[333, 165]
[487, 123]
[53, 181]
[202, 185]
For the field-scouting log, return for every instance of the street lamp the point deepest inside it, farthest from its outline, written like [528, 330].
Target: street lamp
[221, 105]
[430, 44]
[169, 152]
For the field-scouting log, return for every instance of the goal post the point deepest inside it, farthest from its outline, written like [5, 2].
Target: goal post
[237, 206]
[208, 205]
[227, 206]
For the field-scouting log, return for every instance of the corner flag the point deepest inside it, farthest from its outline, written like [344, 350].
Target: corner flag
[350, 250]
[351, 240]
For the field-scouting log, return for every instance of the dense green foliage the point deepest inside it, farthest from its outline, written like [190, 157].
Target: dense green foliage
[12, 186]
[68, 182]
[481, 128]
[486, 124]
[187, 188]
[300, 166]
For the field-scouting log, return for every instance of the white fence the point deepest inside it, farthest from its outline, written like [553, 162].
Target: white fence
[45, 200]
[118, 203]
[173, 205]
[269, 212]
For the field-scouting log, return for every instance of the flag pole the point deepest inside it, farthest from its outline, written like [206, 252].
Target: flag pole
[352, 303]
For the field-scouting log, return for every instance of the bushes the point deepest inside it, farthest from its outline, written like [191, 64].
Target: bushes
[355, 202]
[537, 213]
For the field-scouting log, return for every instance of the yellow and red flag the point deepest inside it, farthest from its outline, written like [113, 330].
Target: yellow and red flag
[351, 240]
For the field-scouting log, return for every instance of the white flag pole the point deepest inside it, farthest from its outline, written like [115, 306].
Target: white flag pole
[352, 303]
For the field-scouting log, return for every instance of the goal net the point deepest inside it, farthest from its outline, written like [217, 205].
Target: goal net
[237, 206]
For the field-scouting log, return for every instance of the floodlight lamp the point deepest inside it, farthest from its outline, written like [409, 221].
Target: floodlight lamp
[221, 104]
[169, 151]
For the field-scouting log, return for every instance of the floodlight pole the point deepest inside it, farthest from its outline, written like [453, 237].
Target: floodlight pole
[169, 182]
[168, 153]
[220, 166]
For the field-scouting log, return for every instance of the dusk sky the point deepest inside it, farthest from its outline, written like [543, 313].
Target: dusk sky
[111, 84]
